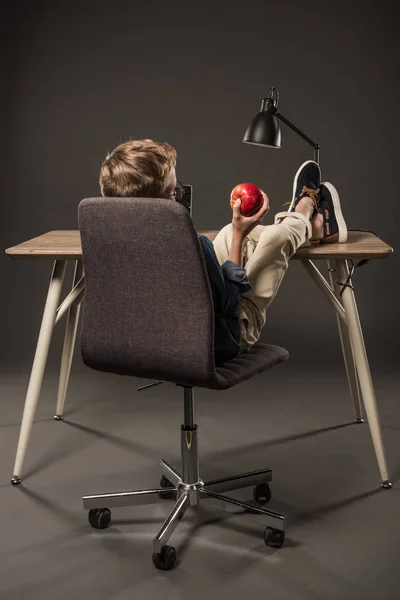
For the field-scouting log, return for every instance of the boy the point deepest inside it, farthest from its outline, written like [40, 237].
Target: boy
[247, 261]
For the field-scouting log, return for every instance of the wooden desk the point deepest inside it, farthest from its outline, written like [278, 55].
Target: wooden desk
[66, 245]
[62, 246]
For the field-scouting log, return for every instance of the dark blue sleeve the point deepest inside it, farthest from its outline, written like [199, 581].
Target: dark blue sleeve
[228, 281]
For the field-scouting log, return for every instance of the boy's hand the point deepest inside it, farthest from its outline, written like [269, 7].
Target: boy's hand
[243, 225]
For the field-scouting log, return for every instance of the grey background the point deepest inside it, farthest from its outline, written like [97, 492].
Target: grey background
[82, 77]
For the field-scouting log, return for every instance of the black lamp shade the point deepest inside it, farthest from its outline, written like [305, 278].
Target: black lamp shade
[264, 130]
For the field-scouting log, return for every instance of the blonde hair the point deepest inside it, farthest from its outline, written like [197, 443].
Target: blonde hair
[137, 168]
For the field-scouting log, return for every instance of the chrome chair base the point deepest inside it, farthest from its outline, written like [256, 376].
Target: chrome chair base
[188, 490]
[186, 495]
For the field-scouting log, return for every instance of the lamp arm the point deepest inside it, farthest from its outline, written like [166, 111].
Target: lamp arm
[301, 134]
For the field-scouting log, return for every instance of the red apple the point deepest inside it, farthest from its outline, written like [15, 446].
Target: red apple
[251, 197]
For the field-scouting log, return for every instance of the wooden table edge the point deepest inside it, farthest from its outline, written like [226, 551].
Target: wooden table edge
[18, 252]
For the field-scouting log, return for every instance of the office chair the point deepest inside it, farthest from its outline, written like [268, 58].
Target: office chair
[148, 312]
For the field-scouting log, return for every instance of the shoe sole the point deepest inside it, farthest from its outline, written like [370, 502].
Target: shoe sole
[338, 212]
[295, 181]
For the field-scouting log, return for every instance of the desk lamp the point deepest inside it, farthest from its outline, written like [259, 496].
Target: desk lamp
[264, 129]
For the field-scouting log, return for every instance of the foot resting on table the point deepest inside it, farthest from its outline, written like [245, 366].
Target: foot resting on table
[320, 203]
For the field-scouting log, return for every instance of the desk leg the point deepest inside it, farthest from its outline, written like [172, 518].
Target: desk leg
[347, 351]
[364, 373]
[39, 364]
[69, 344]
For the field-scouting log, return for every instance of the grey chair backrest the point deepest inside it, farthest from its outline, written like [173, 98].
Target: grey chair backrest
[148, 308]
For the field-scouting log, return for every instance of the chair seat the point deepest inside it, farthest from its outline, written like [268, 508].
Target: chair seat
[258, 358]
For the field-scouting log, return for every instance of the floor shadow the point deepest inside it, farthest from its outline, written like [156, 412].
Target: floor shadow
[396, 475]
[316, 513]
[67, 413]
[228, 520]
[202, 518]
[393, 427]
[56, 455]
[6, 425]
[144, 521]
[78, 527]
[61, 452]
[51, 507]
[195, 522]
[145, 451]
[239, 450]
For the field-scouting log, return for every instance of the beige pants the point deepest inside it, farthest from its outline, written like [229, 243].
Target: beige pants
[266, 253]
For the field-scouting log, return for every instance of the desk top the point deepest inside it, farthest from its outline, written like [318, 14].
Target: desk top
[66, 245]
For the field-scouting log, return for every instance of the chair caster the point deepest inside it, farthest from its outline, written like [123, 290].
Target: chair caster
[166, 559]
[165, 483]
[262, 493]
[274, 538]
[100, 518]
[15, 480]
